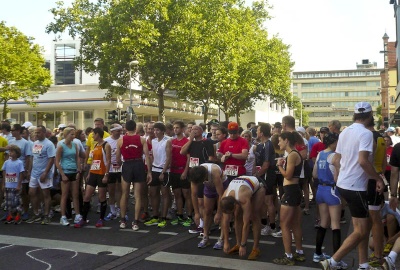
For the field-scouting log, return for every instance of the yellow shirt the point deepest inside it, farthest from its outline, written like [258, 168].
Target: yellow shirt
[3, 143]
[380, 153]
[90, 143]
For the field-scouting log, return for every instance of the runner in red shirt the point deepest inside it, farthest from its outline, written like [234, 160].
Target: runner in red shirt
[234, 152]
[178, 176]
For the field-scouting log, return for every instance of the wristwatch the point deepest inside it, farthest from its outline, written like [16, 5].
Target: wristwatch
[243, 244]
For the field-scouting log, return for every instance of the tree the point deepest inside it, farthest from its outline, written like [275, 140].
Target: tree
[22, 71]
[231, 62]
[114, 33]
[299, 112]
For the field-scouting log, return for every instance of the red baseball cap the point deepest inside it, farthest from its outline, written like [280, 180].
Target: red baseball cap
[233, 126]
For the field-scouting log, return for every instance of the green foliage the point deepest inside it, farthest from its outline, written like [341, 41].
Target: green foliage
[22, 72]
[299, 112]
[214, 51]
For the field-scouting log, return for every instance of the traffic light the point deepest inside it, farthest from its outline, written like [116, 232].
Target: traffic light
[112, 116]
[124, 115]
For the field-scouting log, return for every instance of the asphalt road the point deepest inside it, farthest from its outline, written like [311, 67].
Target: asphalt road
[39, 247]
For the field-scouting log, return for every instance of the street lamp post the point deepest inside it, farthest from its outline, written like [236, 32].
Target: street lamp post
[130, 109]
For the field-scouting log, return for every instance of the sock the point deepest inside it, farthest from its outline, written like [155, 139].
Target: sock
[85, 210]
[393, 256]
[264, 221]
[333, 262]
[336, 240]
[363, 266]
[319, 240]
[342, 213]
[103, 209]
[272, 225]
[289, 255]
[300, 251]
[201, 223]
[63, 217]
[112, 209]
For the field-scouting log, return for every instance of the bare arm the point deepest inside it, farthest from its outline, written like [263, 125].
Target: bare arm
[168, 150]
[336, 163]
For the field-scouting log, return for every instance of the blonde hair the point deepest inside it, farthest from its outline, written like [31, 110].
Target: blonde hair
[66, 131]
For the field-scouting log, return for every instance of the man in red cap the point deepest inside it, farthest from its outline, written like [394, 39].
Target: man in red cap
[233, 152]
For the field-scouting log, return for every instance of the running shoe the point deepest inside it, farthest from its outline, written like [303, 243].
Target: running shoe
[317, 258]
[375, 262]
[143, 217]
[267, 230]
[277, 234]
[77, 218]
[343, 220]
[9, 219]
[204, 243]
[388, 264]
[387, 248]
[46, 220]
[3, 218]
[17, 219]
[326, 265]
[64, 221]
[25, 216]
[196, 230]
[254, 254]
[135, 226]
[33, 219]
[219, 244]
[299, 257]
[162, 223]
[234, 250]
[110, 216]
[177, 221]
[187, 222]
[285, 260]
[342, 265]
[152, 222]
[122, 224]
[99, 223]
[80, 224]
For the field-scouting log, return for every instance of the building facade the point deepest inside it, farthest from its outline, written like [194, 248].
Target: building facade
[331, 95]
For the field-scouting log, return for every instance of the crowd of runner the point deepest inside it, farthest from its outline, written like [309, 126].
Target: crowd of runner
[260, 177]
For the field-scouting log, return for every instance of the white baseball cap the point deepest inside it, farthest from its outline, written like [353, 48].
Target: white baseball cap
[27, 124]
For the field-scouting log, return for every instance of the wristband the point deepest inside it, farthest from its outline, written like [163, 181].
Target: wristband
[243, 244]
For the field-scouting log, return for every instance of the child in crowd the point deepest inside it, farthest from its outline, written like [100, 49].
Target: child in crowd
[11, 185]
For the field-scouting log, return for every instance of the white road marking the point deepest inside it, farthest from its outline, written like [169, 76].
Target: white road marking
[216, 262]
[71, 225]
[49, 265]
[168, 233]
[6, 246]
[57, 244]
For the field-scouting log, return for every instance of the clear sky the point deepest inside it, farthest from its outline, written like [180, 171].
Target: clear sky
[323, 34]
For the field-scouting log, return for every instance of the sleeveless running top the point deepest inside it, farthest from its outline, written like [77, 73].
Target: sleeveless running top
[297, 168]
[325, 175]
[132, 147]
[249, 181]
[99, 160]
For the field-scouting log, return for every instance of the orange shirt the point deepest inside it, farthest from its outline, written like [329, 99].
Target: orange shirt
[98, 160]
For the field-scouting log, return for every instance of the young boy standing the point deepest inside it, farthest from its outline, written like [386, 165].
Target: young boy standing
[12, 175]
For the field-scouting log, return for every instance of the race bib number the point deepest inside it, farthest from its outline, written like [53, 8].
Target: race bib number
[116, 168]
[194, 162]
[37, 149]
[11, 178]
[95, 165]
[231, 170]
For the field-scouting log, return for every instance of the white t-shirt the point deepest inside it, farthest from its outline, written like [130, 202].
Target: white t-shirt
[352, 140]
[395, 139]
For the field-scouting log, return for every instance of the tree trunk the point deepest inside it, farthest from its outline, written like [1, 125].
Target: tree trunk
[227, 115]
[5, 109]
[161, 106]
[205, 113]
[238, 118]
